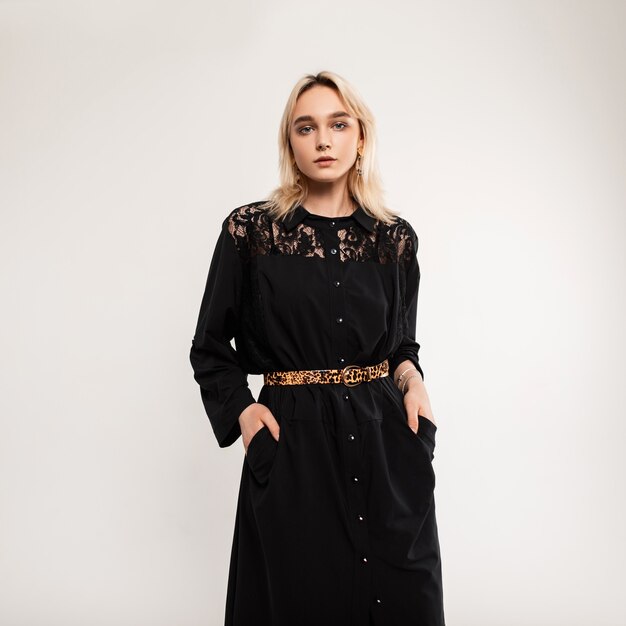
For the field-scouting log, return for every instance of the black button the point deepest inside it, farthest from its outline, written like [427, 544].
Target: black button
[364, 559]
[360, 518]
[337, 283]
[341, 360]
[378, 601]
[332, 223]
[351, 437]
[346, 397]
[355, 479]
[333, 250]
[339, 320]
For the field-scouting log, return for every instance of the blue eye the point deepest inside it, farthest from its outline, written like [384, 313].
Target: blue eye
[302, 130]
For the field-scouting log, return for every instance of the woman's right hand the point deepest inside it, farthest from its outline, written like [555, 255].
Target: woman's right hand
[252, 419]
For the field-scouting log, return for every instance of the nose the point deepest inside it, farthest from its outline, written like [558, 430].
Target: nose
[323, 143]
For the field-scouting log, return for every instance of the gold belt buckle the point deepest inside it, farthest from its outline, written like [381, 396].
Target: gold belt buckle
[343, 375]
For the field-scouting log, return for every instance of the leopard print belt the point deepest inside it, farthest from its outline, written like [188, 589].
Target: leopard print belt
[351, 375]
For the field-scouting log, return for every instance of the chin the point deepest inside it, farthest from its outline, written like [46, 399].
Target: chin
[329, 178]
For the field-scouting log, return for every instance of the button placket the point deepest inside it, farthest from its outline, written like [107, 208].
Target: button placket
[349, 429]
[357, 490]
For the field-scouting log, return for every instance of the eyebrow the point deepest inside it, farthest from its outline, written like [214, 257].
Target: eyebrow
[309, 118]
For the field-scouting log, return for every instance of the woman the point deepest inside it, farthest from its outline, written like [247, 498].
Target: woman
[318, 285]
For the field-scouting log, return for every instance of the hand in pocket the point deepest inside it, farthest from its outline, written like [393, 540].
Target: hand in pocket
[252, 419]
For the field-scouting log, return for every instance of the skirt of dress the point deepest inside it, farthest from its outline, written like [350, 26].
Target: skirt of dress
[335, 522]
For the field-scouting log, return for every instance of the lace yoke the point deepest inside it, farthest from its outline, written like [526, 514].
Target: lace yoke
[255, 234]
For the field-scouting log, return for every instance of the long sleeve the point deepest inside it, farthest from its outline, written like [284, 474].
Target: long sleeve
[223, 383]
[409, 348]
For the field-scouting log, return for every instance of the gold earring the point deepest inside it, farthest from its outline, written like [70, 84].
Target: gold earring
[359, 171]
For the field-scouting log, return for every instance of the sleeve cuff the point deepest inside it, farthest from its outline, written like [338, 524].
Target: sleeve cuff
[229, 430]
[396, 359]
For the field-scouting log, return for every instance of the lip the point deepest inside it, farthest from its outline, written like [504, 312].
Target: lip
[322, 159]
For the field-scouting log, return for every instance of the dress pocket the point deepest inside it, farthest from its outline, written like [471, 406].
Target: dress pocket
[260, 454]
[426, 429]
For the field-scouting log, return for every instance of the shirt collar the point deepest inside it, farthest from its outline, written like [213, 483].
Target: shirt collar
[299, 213]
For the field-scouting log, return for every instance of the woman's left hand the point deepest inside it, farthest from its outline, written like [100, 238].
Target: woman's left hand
[416, 402]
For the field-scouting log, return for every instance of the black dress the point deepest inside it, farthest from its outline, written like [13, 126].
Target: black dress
[335, 522]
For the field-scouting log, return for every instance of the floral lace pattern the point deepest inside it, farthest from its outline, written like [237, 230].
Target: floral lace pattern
[256, 234]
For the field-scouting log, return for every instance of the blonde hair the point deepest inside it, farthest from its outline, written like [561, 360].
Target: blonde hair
[366, 189]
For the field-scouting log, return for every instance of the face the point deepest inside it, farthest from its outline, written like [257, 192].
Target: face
[322, 127]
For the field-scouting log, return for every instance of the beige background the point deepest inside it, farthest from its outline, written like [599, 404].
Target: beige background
[129, 129]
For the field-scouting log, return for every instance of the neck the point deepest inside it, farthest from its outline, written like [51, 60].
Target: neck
[329, 200]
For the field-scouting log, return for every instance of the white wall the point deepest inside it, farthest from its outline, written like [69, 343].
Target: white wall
[129, 129]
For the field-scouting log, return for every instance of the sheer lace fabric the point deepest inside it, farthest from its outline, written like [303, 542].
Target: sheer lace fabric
[255, 234]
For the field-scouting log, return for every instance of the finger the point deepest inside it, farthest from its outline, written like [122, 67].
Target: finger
[273, 425]
[247, 443]
[413, 422]
[251, 437]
